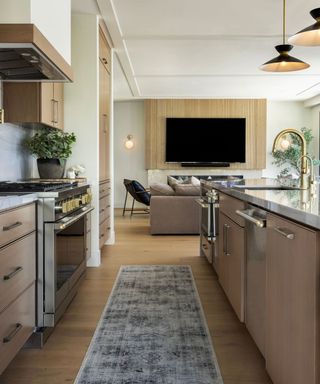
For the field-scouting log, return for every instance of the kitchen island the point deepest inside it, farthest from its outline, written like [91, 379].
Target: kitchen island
[299, 205]
[267, 249]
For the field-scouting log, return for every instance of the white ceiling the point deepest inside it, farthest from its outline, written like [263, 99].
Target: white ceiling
[205, 48]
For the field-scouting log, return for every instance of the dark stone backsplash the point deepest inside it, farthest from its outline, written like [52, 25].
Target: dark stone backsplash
[15, 161]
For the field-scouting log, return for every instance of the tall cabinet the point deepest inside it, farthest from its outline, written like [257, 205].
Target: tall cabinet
[104, 138]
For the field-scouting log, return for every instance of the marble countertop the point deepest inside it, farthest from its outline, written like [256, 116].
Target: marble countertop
[12, 201]
[299, 205]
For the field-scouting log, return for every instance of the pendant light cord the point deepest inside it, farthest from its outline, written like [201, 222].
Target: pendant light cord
[284, 23]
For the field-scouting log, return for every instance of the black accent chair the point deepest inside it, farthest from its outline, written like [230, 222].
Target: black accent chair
[138, 193]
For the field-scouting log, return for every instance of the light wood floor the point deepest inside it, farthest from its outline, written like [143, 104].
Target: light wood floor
[58, 362]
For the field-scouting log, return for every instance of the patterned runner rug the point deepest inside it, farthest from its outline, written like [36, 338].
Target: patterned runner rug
[152, 331]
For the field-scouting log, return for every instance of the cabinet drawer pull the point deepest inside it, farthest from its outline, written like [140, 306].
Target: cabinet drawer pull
[11, 226]
[56, 118]
[12, 274]
[101, 210]
[289, 236]
[52, 110]
[227, 243]
[225, 239]
[12, 334]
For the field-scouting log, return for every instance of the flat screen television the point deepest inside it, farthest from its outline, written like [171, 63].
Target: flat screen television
[205, 140]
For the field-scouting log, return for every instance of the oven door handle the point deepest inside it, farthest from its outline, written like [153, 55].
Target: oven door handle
[63, 223]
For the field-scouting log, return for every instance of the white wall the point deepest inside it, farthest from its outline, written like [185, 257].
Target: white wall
[82, 111]
[15, 11]
[52, 18]
[128, 164]
[282, 115]
[315, 118]
[129, 119]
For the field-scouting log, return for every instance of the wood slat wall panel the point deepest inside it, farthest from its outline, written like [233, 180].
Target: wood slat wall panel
[254, 110]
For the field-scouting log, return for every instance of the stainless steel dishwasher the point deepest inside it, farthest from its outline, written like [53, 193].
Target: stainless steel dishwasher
[255, 273]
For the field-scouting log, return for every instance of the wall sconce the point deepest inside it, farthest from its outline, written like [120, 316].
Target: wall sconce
[129, 144]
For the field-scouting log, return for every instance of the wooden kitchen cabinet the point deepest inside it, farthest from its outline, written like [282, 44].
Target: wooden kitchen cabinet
[104, 211]
[104, 131]
[34, 103]
[104, 139]
[104, 51]
[292, 302]
[231, 262]
[17, 283]
[104, 111]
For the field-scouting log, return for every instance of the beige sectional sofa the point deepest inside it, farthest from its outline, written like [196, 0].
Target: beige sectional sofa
[173, 209]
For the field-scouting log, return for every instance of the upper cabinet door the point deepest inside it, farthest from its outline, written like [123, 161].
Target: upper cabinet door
[47, 104]
[58, 96]
[104, 52]
[104, 108]
[33, 103]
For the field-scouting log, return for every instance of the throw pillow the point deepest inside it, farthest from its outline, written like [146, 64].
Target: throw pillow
[172, 181]
[187, 190]
[195, 181]
[142, 196]
[160, 189]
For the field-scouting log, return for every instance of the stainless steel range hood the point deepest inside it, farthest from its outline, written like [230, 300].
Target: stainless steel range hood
[26, 55]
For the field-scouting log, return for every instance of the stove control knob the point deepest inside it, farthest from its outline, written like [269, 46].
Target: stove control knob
[64, 206]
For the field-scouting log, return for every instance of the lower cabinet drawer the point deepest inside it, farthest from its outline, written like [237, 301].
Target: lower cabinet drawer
[17, 323]
[16, 223]
[104, 188]
[229, 205]
[104, 209]
[17, 268]
[104, 232]
[206, 248]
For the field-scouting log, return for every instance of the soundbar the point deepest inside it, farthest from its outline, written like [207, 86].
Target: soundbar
[195, 164]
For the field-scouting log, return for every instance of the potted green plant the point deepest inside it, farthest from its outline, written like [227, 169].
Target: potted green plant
[52, 147]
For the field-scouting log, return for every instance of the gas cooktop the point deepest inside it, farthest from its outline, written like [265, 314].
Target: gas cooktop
[35, 185]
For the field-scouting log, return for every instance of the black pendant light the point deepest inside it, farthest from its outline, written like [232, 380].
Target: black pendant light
[284, 62]
[309, 36]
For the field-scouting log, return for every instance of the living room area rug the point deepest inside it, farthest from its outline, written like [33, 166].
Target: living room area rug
[152, 331]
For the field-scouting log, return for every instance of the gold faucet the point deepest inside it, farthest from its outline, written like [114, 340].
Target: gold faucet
[304, 170]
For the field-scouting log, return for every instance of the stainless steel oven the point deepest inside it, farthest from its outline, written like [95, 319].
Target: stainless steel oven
[64, 262]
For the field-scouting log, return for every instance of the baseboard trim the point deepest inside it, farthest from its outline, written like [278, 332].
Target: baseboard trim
[111, 239]
[95, 259]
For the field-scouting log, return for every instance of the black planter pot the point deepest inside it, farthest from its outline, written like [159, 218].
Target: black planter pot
[51, 168]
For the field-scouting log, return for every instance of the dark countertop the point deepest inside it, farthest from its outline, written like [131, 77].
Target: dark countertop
[299, 205]
[9, 201]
